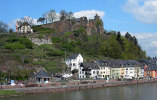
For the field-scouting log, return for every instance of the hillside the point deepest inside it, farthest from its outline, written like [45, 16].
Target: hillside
[19, 57]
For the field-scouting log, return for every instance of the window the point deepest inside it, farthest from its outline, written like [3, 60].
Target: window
[97, 72]
[93, 72]
[74, 64]
[70, 64]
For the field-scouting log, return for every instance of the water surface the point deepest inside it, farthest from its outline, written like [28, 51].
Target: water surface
[133, 92]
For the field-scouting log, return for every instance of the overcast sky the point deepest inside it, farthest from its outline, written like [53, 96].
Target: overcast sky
[138, 17]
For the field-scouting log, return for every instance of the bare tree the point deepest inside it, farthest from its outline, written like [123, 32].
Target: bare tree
[41, 20]
[63, 15]
[45, 15]
[52, 15]
[27, 19]
[70, 15]
[3, 27]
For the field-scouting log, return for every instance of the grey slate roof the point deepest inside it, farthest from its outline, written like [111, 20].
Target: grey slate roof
[42, 74]
[152, 67]
[119, 63]
[74, 56]
[149, 62]
[89, 65]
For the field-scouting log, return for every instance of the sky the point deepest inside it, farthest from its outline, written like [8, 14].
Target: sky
[138, 17]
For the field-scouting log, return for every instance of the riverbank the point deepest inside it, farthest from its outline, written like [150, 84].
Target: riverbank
[9, 93]
[63, 88]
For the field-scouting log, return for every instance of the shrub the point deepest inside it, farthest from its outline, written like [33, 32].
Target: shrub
[14, 46]
[68, 33]
[26, 42]
[42, 30]
[74, 71]
[56, 39]
[55, 53]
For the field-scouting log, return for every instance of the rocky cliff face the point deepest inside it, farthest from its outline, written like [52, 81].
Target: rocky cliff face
[92, 26]
[40, 41]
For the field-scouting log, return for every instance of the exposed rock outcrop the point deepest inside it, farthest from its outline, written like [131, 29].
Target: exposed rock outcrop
[40, 41]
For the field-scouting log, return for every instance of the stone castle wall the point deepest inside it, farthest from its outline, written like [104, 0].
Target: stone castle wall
[71, 25]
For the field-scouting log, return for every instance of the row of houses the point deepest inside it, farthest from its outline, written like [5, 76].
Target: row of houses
[115, 69]
[105, 69]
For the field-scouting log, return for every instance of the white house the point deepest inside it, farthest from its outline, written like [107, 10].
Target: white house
[94, 70]
[23, 27]
[74, 61]
[129, 72]
[89, 70]
[104, 71]
[81, 72]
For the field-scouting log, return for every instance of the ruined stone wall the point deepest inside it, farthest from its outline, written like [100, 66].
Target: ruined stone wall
[66, 26]
[60, 26]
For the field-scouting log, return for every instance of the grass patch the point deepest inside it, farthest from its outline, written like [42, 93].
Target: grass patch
[5, 93]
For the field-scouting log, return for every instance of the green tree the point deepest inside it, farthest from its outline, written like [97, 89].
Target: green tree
[135, 40]
[11, 30]
[41, 20]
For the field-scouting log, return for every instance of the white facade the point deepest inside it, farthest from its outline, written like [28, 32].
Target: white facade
[104, 72]
[134, 72]
[23, 27]
[81, 73]
[142, 73]
[129, 72]
[94, 73]
[97, 72]
[74, 61]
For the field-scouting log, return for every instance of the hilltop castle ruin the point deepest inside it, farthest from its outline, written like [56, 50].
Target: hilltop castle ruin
[91, 26]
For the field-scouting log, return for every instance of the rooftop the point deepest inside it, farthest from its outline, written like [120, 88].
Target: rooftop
[42, 74]
[74, 56]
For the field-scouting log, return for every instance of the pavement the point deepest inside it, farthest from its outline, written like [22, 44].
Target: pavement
[62, 86]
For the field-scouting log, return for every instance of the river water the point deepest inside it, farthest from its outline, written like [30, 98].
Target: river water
[132, 92]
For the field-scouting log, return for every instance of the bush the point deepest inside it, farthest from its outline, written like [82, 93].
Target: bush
[26, 42]
[42, 30]
[68, 33]
[22, 40]
[74, 71]
[14, 46]
[56, 39]
[55, 53]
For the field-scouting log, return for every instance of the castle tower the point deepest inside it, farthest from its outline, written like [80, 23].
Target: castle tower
[96, 17]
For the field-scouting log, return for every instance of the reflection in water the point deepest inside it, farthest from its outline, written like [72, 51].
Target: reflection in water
[132, 92]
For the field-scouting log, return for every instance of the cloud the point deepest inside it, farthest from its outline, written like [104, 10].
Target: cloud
[143, 10]
[89, 14]
[148, 42]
